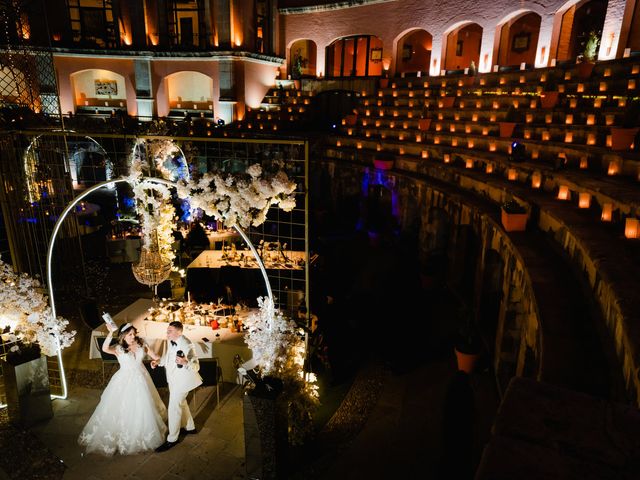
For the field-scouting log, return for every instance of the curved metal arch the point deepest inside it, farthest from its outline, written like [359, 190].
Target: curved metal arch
[52, 241]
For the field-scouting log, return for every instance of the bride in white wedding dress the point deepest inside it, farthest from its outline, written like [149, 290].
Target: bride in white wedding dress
[130, 417]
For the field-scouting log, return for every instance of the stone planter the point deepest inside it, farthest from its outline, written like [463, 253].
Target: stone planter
[514, 222]
[383, 163]
[424, 124]
[585, 69]
[622, 138]
[466, 361]
[265, 432]
[506, 129]
[549, 99]
[27, 390]
[447, 102]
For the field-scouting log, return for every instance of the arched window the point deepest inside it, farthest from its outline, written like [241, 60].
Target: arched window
[577, 21]
[98, 91]
[356, 56]
[190, 92]
[518, 40]
[302, 58]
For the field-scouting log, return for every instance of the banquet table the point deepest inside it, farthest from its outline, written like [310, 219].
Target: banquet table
[222, 343]
[209, 275]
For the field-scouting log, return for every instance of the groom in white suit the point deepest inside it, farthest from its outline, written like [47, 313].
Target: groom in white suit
[181, 364]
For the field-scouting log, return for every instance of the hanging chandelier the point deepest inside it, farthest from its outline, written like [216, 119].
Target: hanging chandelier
[152, 268]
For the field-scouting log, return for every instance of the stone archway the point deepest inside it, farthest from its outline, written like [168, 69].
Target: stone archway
[575, 22]
[69, 208]
[302, 59]
[462, 46]
[413, 53]
[517, 40]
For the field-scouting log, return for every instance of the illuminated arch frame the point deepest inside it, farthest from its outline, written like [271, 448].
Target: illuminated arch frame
[108, 165]
[52, 241]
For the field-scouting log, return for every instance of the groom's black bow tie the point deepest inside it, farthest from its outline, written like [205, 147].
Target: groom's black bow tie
[173, 343]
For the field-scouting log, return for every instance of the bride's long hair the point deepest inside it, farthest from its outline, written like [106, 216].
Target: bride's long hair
[123, 333]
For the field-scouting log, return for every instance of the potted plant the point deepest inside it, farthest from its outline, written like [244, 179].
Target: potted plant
[586, 61]
[508, 125]
[623, 137]
[296, 68]
[549, 98]
[468, 345]
[424, 123]
[513, 216]
[448, 99]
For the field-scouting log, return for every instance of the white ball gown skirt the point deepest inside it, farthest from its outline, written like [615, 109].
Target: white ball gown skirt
[130, 417]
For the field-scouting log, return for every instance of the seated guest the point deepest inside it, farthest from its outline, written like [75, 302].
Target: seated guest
[197, 238]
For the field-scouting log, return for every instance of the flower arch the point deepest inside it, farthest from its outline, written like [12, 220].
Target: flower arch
[70, 207]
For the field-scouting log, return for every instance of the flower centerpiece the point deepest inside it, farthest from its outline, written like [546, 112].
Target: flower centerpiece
[25, 316]
[514, 216]
[278, 348]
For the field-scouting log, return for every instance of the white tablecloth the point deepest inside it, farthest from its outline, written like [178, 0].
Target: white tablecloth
[223, 347]
[271, 260]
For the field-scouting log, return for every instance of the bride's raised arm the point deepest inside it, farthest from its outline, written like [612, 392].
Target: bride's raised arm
[151, 352]
[106, 346]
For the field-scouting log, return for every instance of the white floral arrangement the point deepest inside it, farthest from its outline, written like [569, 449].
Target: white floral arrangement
[24, 308]
[242, 200]
[278, 348]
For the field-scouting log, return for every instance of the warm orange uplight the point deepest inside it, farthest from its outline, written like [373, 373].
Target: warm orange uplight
[438, 127]
[614, 168]
[452, 128]
[536, 180]
[474, 117]
[418, 138]
[378, 147]
[461, 103]
[512, 174]
[478, 104]
[584, 200]
[467, 129]
[489, 168]
[425, 154]
[527, 134]
[597, 102]
[454, 142]
[568, 119]
[485, 130]
[492, 147]
[367, 134]
[378, 123]
[546, 136]
[591, 119]
[563, 193]
[568, 137]
[359, 145]
[607, 212]
[470, 143]
[622, 102]
[492, 117]
[436, 140]
[350, 131]
[591, 139]
[392, 124]
[401, 150]
[573, 103]
[338, 143]
[635, 70]
[469, 163]
[602, 87]
[401, 137]
[631, 227]
[548, 118]
[447, 158]
[580, 88]
[533, 104]
[632, 84]
[529, 117]
[535, 154]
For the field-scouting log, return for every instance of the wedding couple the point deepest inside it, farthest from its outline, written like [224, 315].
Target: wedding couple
[130, 417]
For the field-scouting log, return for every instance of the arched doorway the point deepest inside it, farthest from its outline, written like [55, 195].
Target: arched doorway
[414, 52]
[189, 93]
[302, 58]
[517, 39]
[576, 22]
[98, 91]
[463, 47]
[355, 56]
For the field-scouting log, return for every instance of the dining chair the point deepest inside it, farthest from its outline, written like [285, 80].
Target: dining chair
[211, 374]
